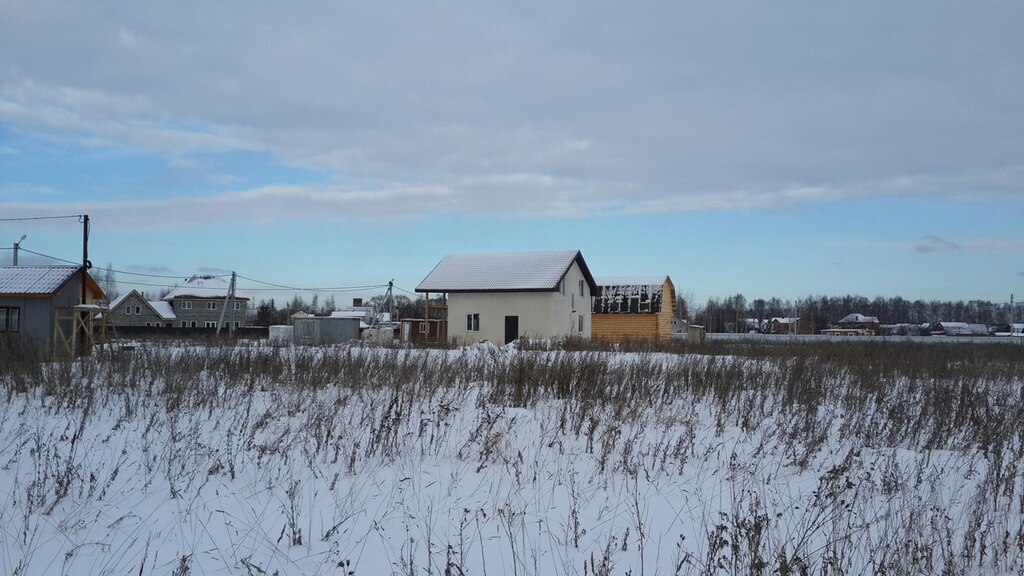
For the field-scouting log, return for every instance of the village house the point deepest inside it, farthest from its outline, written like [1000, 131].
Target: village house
[134, 310]
[200, 303]
[502, 297]
[789, 326]
[42, 306]
[633, 308]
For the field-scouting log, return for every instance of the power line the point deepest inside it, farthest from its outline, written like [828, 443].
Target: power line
[26, 218]
[273, 286]
[297, 289]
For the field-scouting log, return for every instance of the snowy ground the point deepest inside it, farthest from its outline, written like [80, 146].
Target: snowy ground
[368, 461]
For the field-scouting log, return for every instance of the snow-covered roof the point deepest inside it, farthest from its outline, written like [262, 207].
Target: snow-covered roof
[504, 272]
[203, 287]
[858, 319]
[162, 309]
[35, 279]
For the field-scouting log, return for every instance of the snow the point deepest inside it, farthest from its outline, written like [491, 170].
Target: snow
[203, 287]
[290, 477]
[34, 279]
[499, 271]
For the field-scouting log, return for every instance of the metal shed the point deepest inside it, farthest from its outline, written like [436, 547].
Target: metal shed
[318, 330]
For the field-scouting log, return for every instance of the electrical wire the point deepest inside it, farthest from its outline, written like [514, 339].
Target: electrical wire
[272, 286]
[27, 218]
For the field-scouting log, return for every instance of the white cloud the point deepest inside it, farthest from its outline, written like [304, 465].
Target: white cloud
[539, 109]
[934, 244]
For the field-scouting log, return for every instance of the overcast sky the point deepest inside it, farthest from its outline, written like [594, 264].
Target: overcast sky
[772, 149]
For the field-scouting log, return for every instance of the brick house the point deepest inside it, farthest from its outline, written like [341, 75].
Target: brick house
[201, 300]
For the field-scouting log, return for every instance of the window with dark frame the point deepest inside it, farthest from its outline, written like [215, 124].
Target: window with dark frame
[10, 319]
[473, 322]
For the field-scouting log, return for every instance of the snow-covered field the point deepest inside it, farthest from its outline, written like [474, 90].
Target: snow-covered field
[369, 461]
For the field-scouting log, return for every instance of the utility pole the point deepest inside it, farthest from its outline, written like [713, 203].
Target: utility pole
[390, 300]
[85, 254]
[16, 246]
[228, 301]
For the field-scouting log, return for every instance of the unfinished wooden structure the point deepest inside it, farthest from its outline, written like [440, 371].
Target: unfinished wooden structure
[633, 308]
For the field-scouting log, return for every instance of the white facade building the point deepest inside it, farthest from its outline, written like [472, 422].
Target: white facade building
[502, 297]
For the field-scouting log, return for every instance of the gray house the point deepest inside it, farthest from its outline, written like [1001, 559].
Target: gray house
[132, 309]
[201, 301]
[39, 305]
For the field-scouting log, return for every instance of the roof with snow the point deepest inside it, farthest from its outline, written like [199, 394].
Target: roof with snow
[162, 309]
[203, 287]
[39, 280]
[504, 272]
[858, 319]
[629, 294]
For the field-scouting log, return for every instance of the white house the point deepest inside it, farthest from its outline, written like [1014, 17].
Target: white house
[501, 297]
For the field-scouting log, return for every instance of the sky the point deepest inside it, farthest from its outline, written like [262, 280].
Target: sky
[769, 149]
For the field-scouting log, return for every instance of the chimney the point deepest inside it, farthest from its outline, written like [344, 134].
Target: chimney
[356, 302]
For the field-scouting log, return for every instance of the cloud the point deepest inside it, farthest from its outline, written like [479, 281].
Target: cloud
[540, 109]
[935, 244]
[148, 269]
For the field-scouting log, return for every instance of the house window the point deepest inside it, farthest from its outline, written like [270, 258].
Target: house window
[473, 322]
[236, 324]
[149, 324]
[561, 287]
[211, 324]
[184, 324]
[127, 310]
[193, 323]
[581, 323]
[238, 305]
[158, 325]
[424, 327]
[186, 304]
[211, 305]
[138, 310]
[9, 319]
[581, 288]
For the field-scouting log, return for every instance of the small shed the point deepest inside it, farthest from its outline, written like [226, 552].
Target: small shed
[319, 330]
[41, 307]
[633, 308]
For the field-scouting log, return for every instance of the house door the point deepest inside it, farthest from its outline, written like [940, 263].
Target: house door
[511, 328]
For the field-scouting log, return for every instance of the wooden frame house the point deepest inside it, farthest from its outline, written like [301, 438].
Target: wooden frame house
[633, 308]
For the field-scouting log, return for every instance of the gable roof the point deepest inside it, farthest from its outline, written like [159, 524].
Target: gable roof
[203, 287]
[504, 272]
[858, 319]
[161, 309]
[40, 280]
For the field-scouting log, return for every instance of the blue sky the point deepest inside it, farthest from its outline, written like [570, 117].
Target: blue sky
[786, 150]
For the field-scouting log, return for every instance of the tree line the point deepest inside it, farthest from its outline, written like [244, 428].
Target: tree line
[727, 314]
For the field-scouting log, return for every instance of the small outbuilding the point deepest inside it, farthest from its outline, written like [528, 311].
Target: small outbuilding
[319, 330]
[633, 308]
[45, 307]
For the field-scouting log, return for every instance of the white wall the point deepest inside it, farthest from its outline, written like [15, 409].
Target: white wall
[541, 314]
